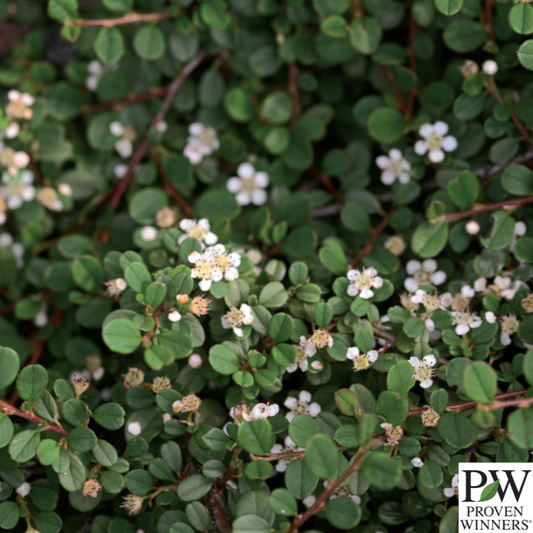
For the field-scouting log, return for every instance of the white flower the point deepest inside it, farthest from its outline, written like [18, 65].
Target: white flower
[465, 321]
[124, 145]
[394, 167]
[95, 69]
[435, 141]
[24, 489]
[195, 360]
[213, 265]
[343, 492]
[490, 67]
[161, 126]
[98, 374]
[174, 316]
[423, 370]
[362, 361]
[472, 227]
[134, 428]
[64, 189]
[12, 130]
[249, 187]
[362, 282]
[6, 240]
[490, 317]
[289, 447]
[202, 141]
[18, 108]
[422, 273]
[14, 161]
[467, 291]
[148, 233]
[301, 406]
[509, 325]
[120, 170]
[235, 318]
[307, 348]
[200, 230]
[264, 410]
[393, 433]
[504, 286]
[520, 229]
[454, 489]
[41, 318]
[431, 301]
[417, 462]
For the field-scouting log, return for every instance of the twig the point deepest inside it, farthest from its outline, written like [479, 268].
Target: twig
[132, 18]
[28, 415]
[293, 90]
[413, 28]
[117, 105]
[357, 11]
[467, 405]
[182, 203]
[327, 183]
[173, 89]
[326, 211]
[488, 20]
[330, 489]
[482, 208]
[494, 91]
[369, 246]
[384, 335]
[395, 89]
[490, 170]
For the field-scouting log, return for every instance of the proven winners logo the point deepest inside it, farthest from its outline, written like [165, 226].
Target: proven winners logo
[495, 497]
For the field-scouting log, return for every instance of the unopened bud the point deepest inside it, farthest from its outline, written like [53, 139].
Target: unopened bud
[182, 298]
[133, 378]
[490, 67]
[165, 218]
[472, 227]
[195, 360]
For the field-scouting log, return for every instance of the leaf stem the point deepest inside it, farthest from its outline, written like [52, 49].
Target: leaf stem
[369, 246]
[328, 184]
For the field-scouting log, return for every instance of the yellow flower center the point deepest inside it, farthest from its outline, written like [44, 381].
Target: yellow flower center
[320, 338]
[361, 362]
[510, 324]
[234, 317]
[434, 141]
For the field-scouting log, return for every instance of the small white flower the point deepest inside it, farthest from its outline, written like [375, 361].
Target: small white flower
[134, 428]
[98, 374]
[289, 447]
[362, 282]
[200, 230]
[148, 233]
[174, 316]
[362, 361]
[490, 317]
[120, 170]
[14, 162]
[249, 186]
[520, 229]
[301, 406]
[264, 410]
[24, 489]
[472, 227]
[435, 141]
[454, 489]
[393, 433]
[394, 167]
[95, 69]
[307, 348]
[201, 142]
[213, 265]
[422, 273]
[12, 130]
[465, 321]
[195, 360]
[417, 462]
[65, 189]
[490, 67]
[235, 318]
[509, 325]
[467, 291]
[423, 369]
[41, 318]
[124, 145]
[161, 126]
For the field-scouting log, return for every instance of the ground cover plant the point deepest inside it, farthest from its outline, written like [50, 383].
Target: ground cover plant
[265, 266]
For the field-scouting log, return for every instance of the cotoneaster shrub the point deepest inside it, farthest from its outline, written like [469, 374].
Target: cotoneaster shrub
[265, 266]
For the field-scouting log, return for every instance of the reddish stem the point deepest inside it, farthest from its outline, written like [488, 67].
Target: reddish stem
[413, 28]
[28, 415]
[486, 207]
[127, 19]
[173, 89]
[494, 91]
[328, 184]
[117, 105]
[293, 90]
[397, 93]
[369, 246]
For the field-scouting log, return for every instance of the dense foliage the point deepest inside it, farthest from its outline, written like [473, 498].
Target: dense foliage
[265, 264]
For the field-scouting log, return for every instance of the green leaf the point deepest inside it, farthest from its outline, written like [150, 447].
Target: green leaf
[365, 34]
[383, 472]
[283, 502]
[137, 277]
[502, 231]
[24, 445]
[520, 428]
[139, 482]
[464, 190]
[489, 491]
[239, 105]
[6, 430]
[343, 513]
[322, 456]
[335, 26]
[302, 428]
[393, 408]
[480, 382]
[88, 273]
[428, 240]
[62, 10]
[281, 327]
[400, 378]
[457, 430]
[464, 35]
[32, 382]
[9, 515]
[255, 437]
[355, 218]
[109, 45]
[214, 14]
[74, 476]
[449, 7]
[250, 523]
[333, 258]
[122, 335]
[518, 179]
[273, 294]
[149, 43]
[223, 360]
[110, 416]
[154, 294]
[10, 364]
[386, 125]
[277, 108]
[521, 20]
[194, 488]
[81, 439]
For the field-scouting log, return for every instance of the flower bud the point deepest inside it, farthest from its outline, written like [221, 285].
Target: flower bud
[195, 360]
[490, 67]
[472, 227]
[134, 428]
[133, 378]
[182, 298]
